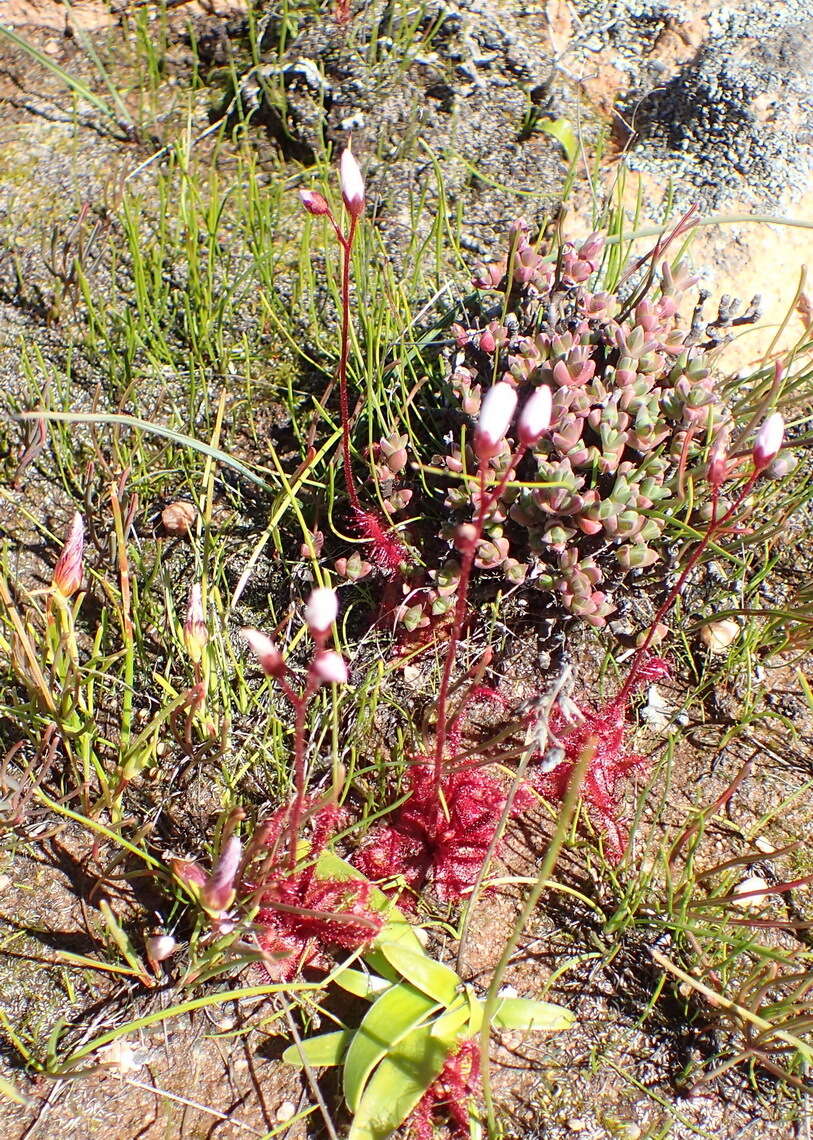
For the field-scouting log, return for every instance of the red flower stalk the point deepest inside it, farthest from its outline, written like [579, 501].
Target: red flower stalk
[604, 730]
[442, 839]
[452, 1092]
[300, 914]
[387, 552]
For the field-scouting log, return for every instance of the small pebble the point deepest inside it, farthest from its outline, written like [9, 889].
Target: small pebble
[717, 636]
[285, 1112]
[747, 887]
[51, 47]
[178, 518]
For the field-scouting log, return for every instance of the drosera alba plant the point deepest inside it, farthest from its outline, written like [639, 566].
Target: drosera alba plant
[575, 728]
[298, 912]
[385, 549]
[446, 829]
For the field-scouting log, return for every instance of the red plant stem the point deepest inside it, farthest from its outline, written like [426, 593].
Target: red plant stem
[346, 243]
[714, 526]
[300, 704]
[486, 502]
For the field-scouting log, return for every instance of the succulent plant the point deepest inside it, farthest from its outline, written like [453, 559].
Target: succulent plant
[634, 402]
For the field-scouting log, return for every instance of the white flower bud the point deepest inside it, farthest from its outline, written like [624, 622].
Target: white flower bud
[534, 419]
[329, 667]
[321, 609]
[160, 947]
[265, 651]
[351, 182]
[496, 412]
[769, 440]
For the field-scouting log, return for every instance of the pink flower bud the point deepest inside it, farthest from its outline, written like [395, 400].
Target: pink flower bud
[534, 419]
[351, 182]
[717, 471]
[329, 667]
[465, 537]
[487, 342]
[160, 947]
[496, 412]
[321, 609]
[769, 441]
[217, 893]
[195, 633]
[189, 872]
[68, 570]
[313, 202]
[266, 652]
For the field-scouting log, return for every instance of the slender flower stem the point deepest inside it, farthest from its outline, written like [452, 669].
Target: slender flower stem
[486, 501]
[346, 243]
[299, 702]
[457, 626]
[714, 526]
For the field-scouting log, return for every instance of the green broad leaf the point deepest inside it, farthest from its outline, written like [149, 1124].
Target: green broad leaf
[379, 964]
[361, 985]
[326, 1049]
[526, 1013]
[385, 1024]
[399, 1082]
[433, 978]
[448, 1024]
[562, 131]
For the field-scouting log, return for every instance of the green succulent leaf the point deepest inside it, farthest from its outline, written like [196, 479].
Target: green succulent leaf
[529, 1014]
[320, 1052]
[403, 1077]
[433, 978]
[385, 1024]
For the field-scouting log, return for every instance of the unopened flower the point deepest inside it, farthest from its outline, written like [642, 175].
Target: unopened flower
[534, 419]
[351, 182]
[496, 412]
[314, 202]
[266, 652]
[190, 873]
[717, 471]
[121, 1058]
[160, 947]
[321, 610]
[769, 440]
[465, 537]
[329, 667]
[217, 893]
[68, 570]
[195, 634]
